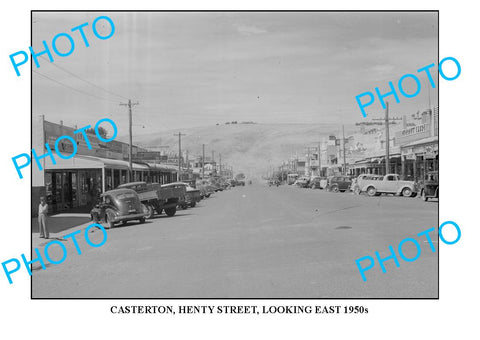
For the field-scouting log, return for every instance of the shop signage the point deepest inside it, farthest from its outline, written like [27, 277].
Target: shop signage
[412, 134]
[61, 145]
[410, 156]
[413, 130]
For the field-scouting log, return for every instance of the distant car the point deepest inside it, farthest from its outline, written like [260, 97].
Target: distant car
[339, 183]
[192, 196]
[119, 205]
[302, 182]
[430, 186]
[291, 178]
[318, 182]
[206, 189]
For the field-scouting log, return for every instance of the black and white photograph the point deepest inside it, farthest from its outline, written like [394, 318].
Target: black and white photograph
[235, 154]
[240, 170]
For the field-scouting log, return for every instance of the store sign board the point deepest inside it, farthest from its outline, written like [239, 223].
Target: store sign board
[412, 134]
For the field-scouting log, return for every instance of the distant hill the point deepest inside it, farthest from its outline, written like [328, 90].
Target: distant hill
[249, 148]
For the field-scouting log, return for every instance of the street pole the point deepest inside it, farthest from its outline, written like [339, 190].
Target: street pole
[130, 167]
[213, 162]
[179, 134]
[387, 140]
[203, 161]
[319, 160]
[344, 157]
[220, 163]
[309, 166]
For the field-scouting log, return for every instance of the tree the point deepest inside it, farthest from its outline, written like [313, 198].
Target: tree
[101, 131]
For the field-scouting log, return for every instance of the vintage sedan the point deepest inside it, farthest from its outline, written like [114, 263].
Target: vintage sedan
[205, 188]
[339, 183]
[119, 205]
[430, 186]
[318, 182]
[302, 182]
[388, 184]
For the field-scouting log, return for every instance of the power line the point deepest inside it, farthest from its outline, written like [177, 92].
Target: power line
[74, 89]
[86, 81]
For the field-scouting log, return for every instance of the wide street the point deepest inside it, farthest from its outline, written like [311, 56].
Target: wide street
[255, 242]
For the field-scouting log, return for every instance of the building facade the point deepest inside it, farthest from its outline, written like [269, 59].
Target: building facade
[73, 185]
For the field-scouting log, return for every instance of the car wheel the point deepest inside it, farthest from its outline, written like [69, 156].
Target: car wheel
[424, 197]
[335, 188]
[371, 191]
[407, 192]
[171, 211]
[109, 217]
[149, 211]
[142, 220]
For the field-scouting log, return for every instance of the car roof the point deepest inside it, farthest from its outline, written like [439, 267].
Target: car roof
[116, 192]
[173, 184]
[124, 185]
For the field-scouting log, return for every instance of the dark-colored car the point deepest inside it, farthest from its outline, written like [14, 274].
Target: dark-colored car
[318, 182]
[302, 182]
[191, 197]
[339, 183]
[156, 197]
[119, 205]
[430, 186]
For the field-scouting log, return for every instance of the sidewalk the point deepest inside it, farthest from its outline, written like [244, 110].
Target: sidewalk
[58, 226]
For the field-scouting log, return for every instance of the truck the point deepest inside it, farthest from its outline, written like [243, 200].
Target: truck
[156, 197]
[390, 184]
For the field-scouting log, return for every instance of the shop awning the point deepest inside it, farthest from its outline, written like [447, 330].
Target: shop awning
[88, 162]
[428, 140]
[163, 167]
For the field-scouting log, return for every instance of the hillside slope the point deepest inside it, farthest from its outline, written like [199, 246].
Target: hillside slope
[249, 148]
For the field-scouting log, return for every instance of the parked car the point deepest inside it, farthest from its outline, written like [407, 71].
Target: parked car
[339, 183]
[318, 182]
[302, 182]
[206, 189]
[157, 197]
[291, 178]
[430, 186]
[389, 183]
[191, 197]
[120, 205]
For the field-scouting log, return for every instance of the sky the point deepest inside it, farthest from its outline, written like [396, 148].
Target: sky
[189, 69]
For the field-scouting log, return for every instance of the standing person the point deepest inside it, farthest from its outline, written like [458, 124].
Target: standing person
[42, 218]
[355, 187]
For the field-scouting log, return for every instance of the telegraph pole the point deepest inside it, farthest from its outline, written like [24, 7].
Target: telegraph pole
[203, 161]
[179, 134]
[344, 157]
[213, 161]
[387, 140]
[130, 168]
[319, 160]
[220, 164]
